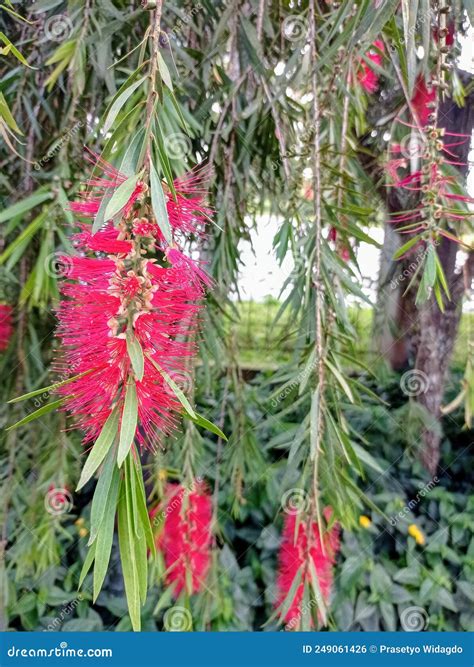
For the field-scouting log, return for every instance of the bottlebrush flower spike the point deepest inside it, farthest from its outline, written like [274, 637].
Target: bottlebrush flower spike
[6, 327]
[297, 549]
[137, 287]
[366, 76]
[185, 539]
[439, 191]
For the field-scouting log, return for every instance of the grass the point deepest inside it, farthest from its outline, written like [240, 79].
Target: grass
[263, 344]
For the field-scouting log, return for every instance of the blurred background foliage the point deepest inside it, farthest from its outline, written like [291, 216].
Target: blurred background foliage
[241, 74]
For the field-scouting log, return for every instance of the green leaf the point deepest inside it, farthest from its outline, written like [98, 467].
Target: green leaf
[120, 197]
[127, 556]
[24, 237]
[405, 247]
[129, 422]
[38, 413]
[89, 559]
[158, 203]
[119, 103]
[205, 423]
[100, 218]
[430, 266]
[441, 276]
[282, 610]
[105, 536]
[409, 14]
[341, 380]
[176, 390]
[99, 501]
[100, 448]
[135, 521]
[135, 353]
[10, 47]
[164, 72]
[51, 388]
[25, 205]
[6, 114]
[142, 508]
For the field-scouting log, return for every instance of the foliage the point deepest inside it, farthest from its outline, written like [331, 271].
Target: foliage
[274, 97]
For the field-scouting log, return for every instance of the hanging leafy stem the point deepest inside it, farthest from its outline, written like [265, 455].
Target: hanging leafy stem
[127, 322]
[425, 155]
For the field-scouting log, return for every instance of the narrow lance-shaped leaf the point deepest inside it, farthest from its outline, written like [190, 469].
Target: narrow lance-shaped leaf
[100, 448]
[37, 413]
[119, 103]
[135, 353]
[99, 501]
[121, 196]
[205, 423]
[106, 534]
[176, 390]
[129, 422]
[127, 557]
[50, 388]
[158, 203]
[89, 559]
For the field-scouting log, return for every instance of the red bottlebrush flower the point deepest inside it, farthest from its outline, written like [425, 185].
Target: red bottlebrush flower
[122, 293]
[185, 539]
[422, 97]
[6, 327]
[368, 79]
[431, 151]
[296, 551]
[187, 212]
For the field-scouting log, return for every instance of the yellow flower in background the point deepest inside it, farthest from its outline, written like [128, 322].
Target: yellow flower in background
[79, 522]
[364, 521]
[416, 533]
[162, 474]
[83, 532]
